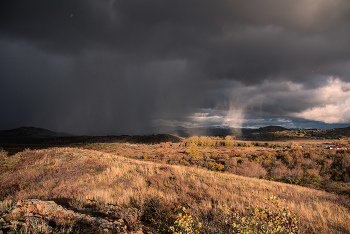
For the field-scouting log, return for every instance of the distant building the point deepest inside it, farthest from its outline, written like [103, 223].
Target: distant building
[328, 145]
[337, 147]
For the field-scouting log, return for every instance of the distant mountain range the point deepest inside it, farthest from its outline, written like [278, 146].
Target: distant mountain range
[263, 133]
[29, 134]
[19, 139]
[33, 135]
[222, 131]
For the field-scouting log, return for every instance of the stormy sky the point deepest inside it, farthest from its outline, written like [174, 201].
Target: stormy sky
[129, 66]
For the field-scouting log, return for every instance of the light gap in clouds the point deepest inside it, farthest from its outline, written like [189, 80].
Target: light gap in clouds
[335, 106]
[257, 106]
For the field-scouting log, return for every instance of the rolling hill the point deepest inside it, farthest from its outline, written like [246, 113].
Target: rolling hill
[156, 198]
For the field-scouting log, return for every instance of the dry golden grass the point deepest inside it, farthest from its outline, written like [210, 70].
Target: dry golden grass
[82, 175]
[316, 207]
[310, 166]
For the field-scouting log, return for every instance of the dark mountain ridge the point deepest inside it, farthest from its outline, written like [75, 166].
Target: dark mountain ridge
[29, 134]
[224, 131]
[33, 135]
[272, 128]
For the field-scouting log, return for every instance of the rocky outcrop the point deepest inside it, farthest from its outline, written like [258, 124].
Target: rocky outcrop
[29, 213]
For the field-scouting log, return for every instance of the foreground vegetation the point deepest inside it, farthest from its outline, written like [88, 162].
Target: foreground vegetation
[170, 198]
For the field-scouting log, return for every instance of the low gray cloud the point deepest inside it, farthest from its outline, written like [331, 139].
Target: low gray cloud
[119, 67]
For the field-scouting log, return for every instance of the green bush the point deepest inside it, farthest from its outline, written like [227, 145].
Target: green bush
[184, 224]
[269, 217]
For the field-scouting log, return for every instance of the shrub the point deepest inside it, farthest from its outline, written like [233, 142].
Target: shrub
[219, 167]
[269, 217]
[193, 149]
[228, 140]
[314, 177]
[279, 171]
[145, 156]
[160, 214]
[253, 169]
[3, 154]
[184, 224]
[205, 141]
[231, 162]
[192, 140]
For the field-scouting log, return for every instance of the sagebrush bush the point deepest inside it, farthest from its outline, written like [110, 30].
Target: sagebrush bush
[252, 169]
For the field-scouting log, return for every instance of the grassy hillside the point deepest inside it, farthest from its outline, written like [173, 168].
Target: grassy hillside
[170, 198]
[305, 163]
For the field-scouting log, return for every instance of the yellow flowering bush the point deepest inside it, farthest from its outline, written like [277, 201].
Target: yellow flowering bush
[184, 224]
[269, 217]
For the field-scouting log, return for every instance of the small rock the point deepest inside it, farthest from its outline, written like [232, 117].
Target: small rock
[37, 211]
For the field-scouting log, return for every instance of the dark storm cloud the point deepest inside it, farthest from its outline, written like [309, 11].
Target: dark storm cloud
[114, 66]
[241, 40]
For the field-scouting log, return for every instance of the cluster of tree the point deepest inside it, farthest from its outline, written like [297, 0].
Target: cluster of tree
[229, 141]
